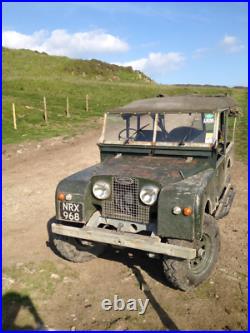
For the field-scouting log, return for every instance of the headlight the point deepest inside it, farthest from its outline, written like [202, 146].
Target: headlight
[149, 194]
[101, 190]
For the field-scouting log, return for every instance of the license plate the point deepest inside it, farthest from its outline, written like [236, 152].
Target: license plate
[71, 211]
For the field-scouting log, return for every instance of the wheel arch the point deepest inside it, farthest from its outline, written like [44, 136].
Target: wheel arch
[208, 206]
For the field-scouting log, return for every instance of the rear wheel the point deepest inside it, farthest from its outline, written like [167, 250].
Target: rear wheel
[77, 250]
[186, 274]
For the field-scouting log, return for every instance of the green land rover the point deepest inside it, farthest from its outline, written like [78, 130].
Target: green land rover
[162, 184]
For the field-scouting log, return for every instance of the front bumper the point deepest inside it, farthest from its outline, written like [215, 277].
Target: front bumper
[150, 244]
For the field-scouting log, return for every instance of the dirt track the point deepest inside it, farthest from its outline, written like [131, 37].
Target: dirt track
[68, 296]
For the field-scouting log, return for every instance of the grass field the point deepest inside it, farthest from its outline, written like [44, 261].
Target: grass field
[28, 76]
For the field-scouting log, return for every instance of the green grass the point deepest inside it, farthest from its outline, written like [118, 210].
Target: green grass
[35, 278]
[31, 282]
[241, 138]
[28, 76]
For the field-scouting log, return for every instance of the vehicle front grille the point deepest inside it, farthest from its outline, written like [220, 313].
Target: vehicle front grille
[124, 203]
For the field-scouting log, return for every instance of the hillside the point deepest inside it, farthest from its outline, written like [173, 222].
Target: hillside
[29, 75]
[41, 64]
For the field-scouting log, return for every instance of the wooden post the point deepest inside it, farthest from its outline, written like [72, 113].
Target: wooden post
[101, 140]
[45, 110]
[14, 115]
[87, 103]
[67, 108]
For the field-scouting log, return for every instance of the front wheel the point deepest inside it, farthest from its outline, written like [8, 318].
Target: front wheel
[75, 249]
[186, 274]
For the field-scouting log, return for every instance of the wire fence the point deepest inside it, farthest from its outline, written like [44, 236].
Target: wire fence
[44, 110]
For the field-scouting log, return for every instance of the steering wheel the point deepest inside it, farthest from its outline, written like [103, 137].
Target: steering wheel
[132, 136]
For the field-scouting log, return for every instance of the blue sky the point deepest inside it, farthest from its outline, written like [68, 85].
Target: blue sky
[171, 42]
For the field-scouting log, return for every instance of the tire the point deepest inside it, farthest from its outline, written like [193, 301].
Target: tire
[75, 249]
[187, 274]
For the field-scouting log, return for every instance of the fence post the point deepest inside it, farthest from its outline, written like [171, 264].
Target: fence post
[87, 103]
[45, 110]
[67, 107]
[14, 115]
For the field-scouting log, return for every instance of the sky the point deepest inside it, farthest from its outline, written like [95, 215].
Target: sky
[196, 43]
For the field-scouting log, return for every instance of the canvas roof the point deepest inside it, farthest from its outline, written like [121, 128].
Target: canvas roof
[182, 104]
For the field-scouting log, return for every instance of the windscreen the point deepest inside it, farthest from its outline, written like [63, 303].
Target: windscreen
[179, 128]
[127, 128]
[185, 128]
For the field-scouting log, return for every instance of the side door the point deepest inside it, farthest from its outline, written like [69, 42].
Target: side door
[229, 156]
[221, 154]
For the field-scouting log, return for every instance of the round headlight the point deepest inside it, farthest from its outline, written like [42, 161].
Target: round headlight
[149, 194]
[101, 190]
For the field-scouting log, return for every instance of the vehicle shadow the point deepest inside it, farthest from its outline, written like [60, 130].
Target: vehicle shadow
[167, 322]
[12, 303]
[128, 257]
[135, 258]
[136, 261]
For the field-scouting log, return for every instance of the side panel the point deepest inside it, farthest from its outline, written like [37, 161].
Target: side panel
[192, 192]
[220, 175]
[80, 188]
[223, 168]
[175, 226]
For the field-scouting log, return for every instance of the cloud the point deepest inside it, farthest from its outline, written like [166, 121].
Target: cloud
[199, 53]
[60, 42]
[232, 44]
[157, 63]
